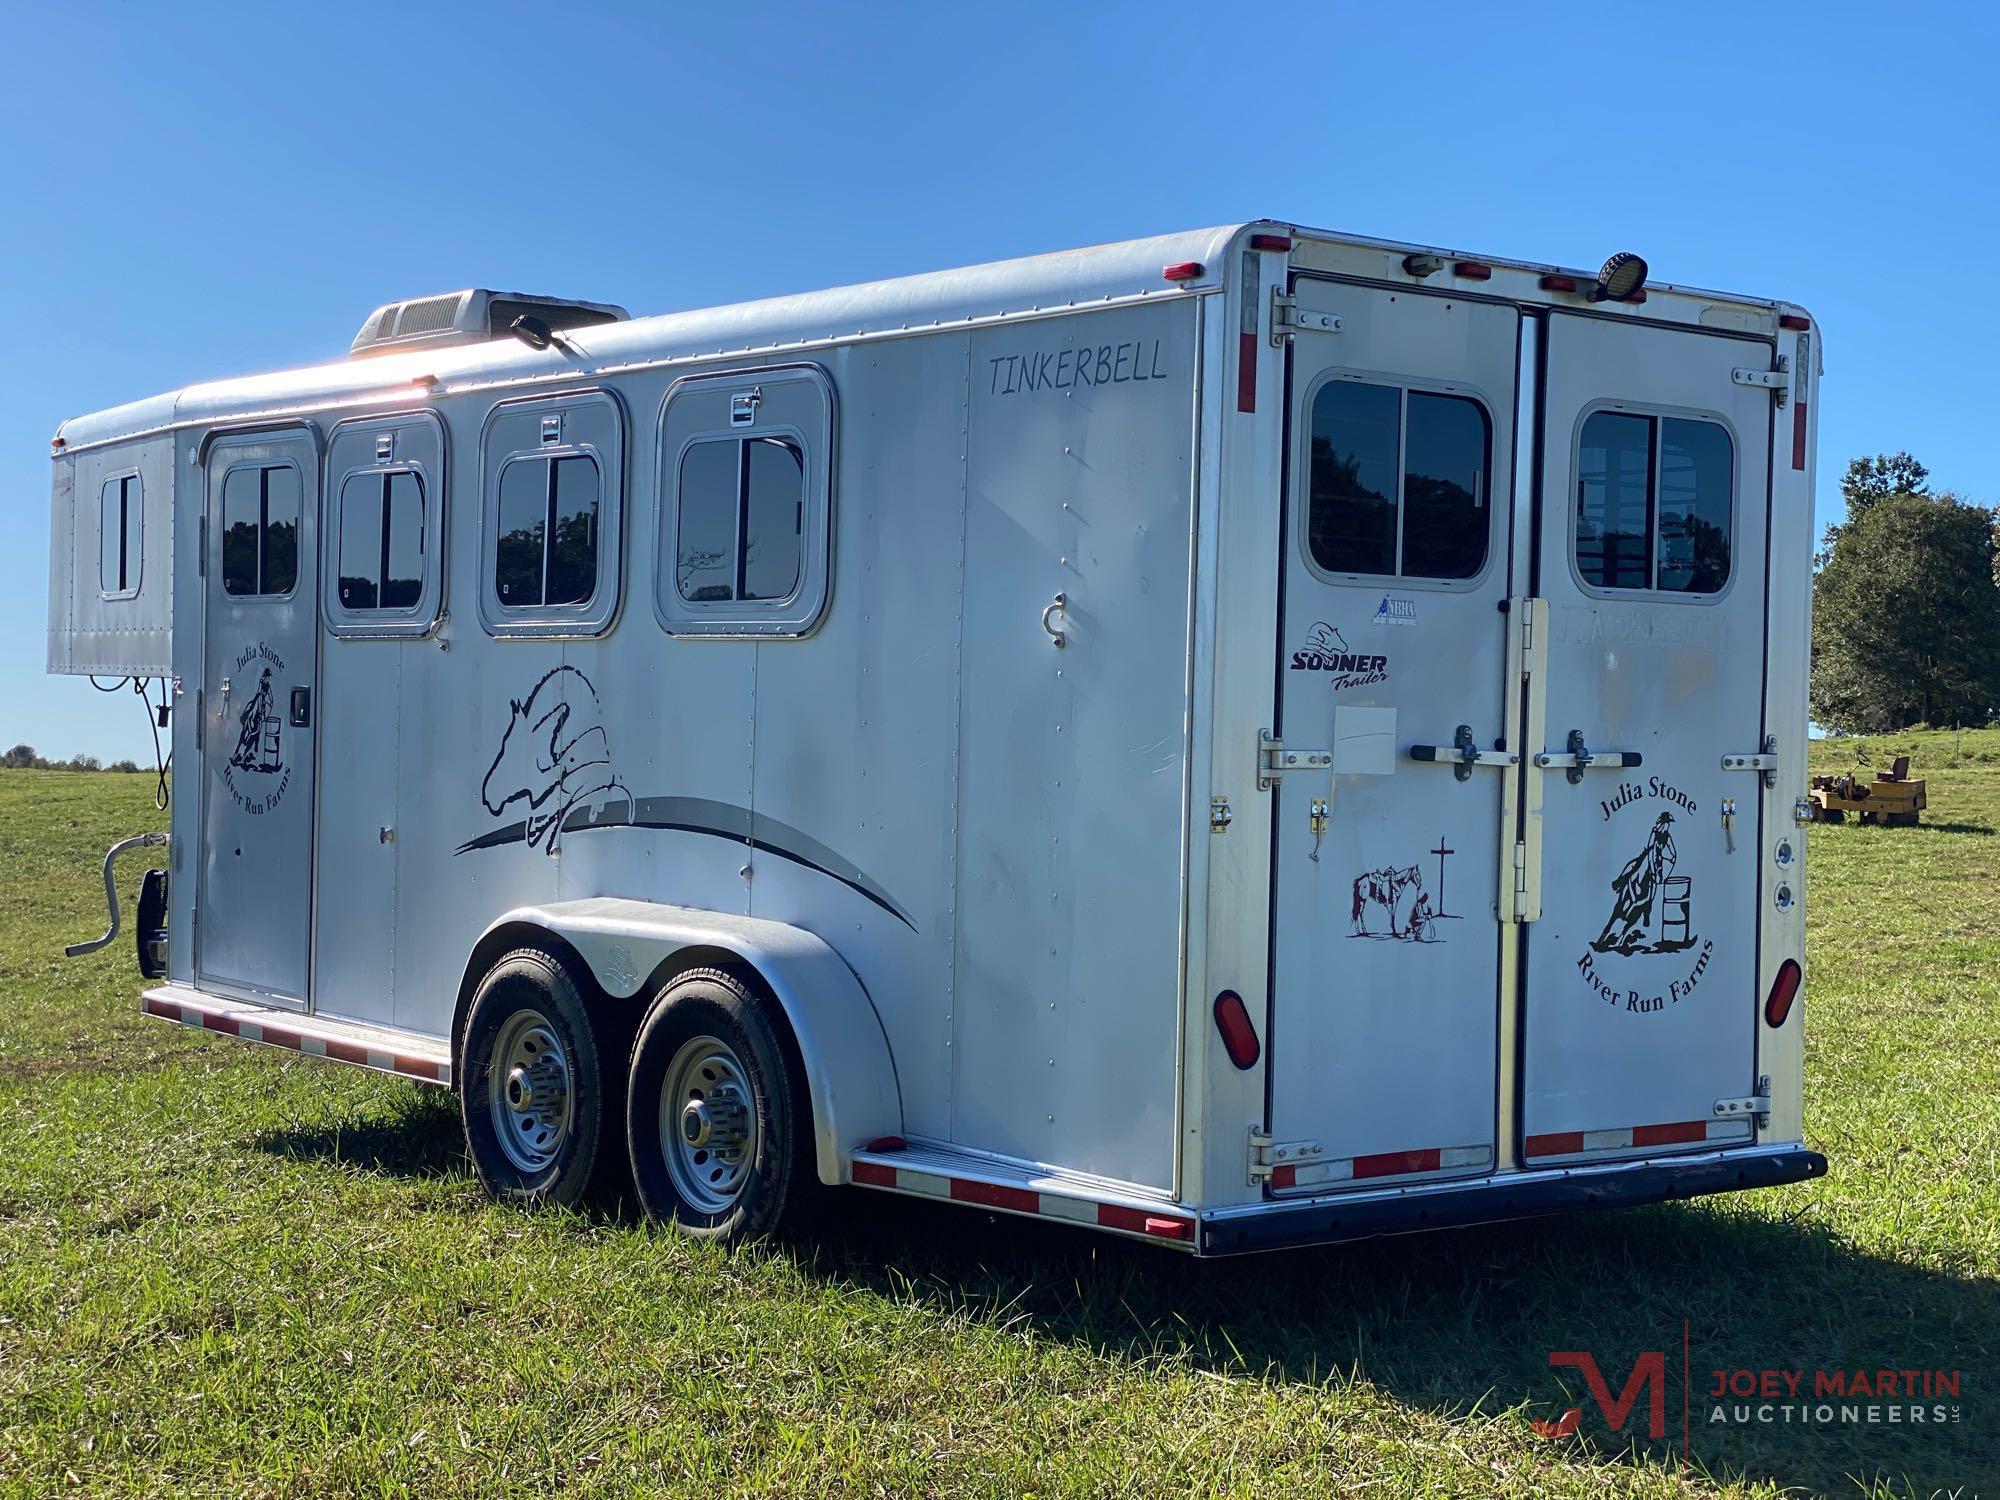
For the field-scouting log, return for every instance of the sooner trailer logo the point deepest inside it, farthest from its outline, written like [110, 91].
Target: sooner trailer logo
[1652, 911]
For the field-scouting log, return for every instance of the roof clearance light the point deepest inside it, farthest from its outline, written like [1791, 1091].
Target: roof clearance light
[1623, 279]
[1558, 284]
[1797, 322]
[1784, 990]
[1239, 1037]
[1270, 242]
[1182, 270]
[1472, 270]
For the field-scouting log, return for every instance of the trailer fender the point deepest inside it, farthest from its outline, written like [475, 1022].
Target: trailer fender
[849, 1072]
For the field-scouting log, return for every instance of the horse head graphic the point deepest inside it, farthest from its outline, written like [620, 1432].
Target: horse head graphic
[553, 757]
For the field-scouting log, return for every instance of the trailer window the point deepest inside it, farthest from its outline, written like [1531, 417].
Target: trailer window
[381, 541]
[548, 543]
[119, 536]
[260, 529]
[741, 521]
[745, 503]
[1654, 503]
[1397, 482]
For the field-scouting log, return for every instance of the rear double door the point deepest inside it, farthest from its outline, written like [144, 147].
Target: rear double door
[1528, 840]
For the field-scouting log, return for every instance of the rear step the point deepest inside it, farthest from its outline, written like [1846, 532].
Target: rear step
[418, 1058]
[932, 1171]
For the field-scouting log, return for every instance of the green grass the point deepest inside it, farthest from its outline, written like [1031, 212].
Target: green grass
[226, 1270]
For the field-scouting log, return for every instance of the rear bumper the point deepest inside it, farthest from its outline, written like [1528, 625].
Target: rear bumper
[1331, 1220]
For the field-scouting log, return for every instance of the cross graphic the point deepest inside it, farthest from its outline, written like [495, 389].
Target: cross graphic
[1441, 851]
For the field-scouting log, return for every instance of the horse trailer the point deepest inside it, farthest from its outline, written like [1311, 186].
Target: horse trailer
[1244, 738]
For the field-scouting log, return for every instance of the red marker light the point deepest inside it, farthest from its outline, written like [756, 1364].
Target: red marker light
[1559, 284]
[1794, 321]
[1270, 242]
[1472, 270]
[1239, 1037]
[1182, 270]
[1784, 990]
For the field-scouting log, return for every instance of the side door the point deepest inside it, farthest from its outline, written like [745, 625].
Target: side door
[260, 680]
[1386, 975]
[1639, 1004]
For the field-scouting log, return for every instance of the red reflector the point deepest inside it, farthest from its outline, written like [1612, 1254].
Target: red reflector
[886, 1143]
[1239, 1037]
[1284, 1177]
[874, 1174]
[1246, 372]
[1182, 270]
[1797, 322]
[1677, 1134]
[1798, 434]
[1472, 270]
[1559, 284]
[1270, 242]
[1784, 990]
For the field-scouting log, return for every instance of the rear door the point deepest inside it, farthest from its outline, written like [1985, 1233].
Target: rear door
[1639, 1001]
[260, 678]
[1386, 941]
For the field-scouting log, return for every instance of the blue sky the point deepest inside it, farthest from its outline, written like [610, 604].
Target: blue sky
[194, 190]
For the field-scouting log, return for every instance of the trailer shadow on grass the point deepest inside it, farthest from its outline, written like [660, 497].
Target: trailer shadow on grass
[1453, 1322]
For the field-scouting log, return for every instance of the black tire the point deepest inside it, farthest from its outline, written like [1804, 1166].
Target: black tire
[709, 1027]
[532, 1165]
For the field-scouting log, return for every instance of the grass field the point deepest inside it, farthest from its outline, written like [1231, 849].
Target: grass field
[225, 1270]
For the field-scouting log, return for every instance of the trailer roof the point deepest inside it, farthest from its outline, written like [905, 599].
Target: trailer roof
[1126, 271]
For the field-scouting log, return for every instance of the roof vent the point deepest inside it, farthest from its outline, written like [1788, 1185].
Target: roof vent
[470, 317]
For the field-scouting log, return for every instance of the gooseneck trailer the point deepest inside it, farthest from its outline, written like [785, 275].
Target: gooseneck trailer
[1242, 738]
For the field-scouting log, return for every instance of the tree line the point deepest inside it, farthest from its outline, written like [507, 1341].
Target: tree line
[1906, 606]
[23, 758]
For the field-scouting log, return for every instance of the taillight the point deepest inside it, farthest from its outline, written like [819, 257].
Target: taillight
[1239, 1037]
[1784, 990]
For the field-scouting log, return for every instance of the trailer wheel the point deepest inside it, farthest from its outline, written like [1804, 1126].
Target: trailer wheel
[532, 1088]
[715, 1113]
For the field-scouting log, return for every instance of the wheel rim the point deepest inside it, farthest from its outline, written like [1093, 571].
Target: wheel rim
[528, 1092]
[708, 1125]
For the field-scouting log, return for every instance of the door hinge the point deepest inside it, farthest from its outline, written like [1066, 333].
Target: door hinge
[1765, 762]
[1288, 318]
[201, 549]
[1267, 1154]
[1778, 382]
[1274, 760]
[1757, 1104]
[1520, 871]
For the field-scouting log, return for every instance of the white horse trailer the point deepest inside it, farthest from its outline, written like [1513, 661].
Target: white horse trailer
[1243, 738]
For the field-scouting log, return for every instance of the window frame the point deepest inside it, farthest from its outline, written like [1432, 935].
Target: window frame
[432, 469]
[798, 614]
[134, 526]
[598, 407]
[1406, 385]
[1652, 592]
[264, 524]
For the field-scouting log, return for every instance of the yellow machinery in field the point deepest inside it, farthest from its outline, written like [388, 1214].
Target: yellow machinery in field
[1892, 797]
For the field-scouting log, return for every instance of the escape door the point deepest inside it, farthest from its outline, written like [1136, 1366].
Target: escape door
[1386, 941]
[1639, 990]
[259, 681]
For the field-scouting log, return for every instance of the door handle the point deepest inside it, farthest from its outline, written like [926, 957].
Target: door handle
[302, 708]
[1578, 758]
[1462, 754]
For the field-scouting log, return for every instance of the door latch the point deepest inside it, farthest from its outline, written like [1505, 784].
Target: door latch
[1579, 758]
[1316, 822]
[1462, 754]
[1729, 822]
